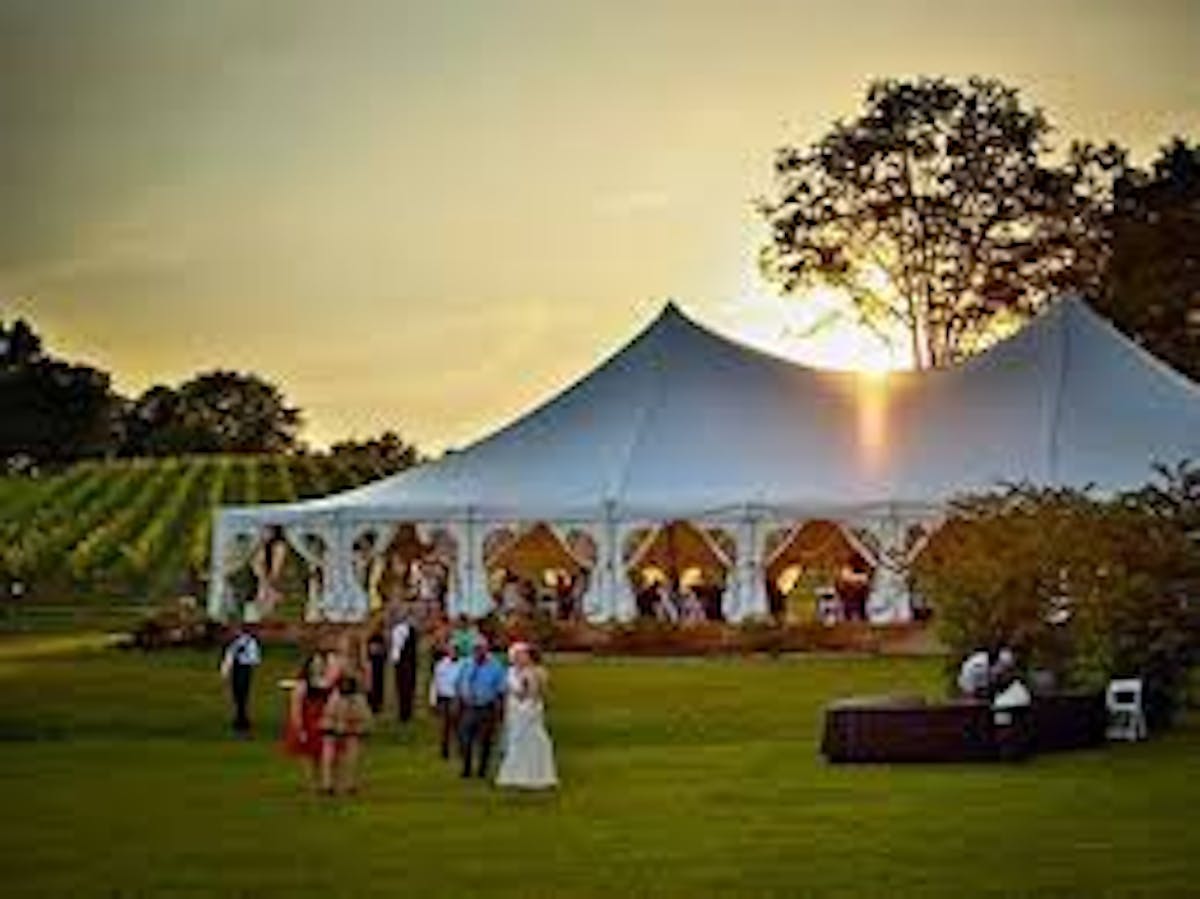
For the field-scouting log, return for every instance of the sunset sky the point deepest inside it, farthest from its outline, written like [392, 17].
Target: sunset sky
[428, 216]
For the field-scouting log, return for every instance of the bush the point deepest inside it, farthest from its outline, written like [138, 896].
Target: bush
[178, 622]
[1089, 590]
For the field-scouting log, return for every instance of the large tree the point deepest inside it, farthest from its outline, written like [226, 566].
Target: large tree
[51, 410]
[936, 210]
[1152, 282]
[218, 412]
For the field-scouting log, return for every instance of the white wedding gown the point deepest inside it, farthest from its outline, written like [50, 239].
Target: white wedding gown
[528, 760]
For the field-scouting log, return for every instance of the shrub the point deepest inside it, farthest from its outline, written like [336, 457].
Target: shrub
[178, 622]
[1089, 590]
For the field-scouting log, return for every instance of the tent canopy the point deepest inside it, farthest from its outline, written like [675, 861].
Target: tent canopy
[685, 423]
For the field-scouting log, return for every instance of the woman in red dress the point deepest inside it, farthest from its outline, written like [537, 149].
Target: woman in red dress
[316, 682]
[302, 735]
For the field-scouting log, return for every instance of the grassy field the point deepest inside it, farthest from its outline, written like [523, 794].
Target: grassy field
[681, 778]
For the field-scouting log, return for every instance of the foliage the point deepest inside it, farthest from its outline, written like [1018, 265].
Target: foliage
[387, 452]
[218, 412]
[57, 412]
[177, 622]
[1174, 495]
[1089, 590]
[50, 410]
[936, 211]
[1152, 282]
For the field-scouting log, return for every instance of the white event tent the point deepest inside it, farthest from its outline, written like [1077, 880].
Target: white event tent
[685, 424]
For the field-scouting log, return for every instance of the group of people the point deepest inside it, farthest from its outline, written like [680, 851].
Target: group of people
[520, 596]
[993, 676]
[689, 605]
[477, 695]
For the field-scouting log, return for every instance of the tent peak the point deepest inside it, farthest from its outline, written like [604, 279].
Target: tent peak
[673, 319]
[672, 309]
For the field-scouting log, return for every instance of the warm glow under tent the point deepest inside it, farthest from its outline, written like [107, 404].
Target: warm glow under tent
[685, 424]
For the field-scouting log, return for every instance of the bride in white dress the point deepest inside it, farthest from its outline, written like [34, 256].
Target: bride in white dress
[528, 753]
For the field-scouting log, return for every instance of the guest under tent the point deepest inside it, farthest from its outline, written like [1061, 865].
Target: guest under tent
[676, 563]
[814, 572]
[684, 425]
[533, 568]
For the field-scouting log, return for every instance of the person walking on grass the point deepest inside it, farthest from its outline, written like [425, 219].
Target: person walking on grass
[377, 657]
[403, 656]
[480, 692]
[528, 758]
[242, 655]
[310, 692]
[443, 693]
[345, 721]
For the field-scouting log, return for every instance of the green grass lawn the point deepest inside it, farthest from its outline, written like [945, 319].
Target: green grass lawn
[680, 778]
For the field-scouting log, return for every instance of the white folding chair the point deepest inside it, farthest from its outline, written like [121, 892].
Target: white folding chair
[1126, 716]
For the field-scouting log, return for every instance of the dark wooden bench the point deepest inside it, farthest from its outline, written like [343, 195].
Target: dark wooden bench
[908, 729]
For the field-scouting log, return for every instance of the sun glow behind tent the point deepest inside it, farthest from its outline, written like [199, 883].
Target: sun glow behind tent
[682, 423]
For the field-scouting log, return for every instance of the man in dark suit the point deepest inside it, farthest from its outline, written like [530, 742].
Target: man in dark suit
[404, 666]
[377, 658]
[242, 655]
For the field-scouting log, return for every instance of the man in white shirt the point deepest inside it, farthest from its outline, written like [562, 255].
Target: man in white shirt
[403, 656]
[443, 693]
[242, 655]
[974, 675]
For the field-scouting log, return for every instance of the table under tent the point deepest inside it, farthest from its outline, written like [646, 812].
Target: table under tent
[686, 427]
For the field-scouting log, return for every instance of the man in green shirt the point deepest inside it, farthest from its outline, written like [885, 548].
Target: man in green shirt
[464, 637]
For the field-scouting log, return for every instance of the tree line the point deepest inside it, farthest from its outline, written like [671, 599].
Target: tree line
[944, 212]
[54, 411]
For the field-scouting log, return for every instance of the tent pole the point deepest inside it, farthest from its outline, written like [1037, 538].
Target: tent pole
[216, 568]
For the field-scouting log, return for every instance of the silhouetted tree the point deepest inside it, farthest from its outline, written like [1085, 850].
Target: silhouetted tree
[50, 410]
[388, 452]
[1152, 283]
[218, 412]
[19, 345]
[935, 210]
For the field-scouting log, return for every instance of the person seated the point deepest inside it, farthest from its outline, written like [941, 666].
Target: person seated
[974, 675]
[1015, 696]
[1004, 669]
[665, 609]
[829, 606]
[511, 598]
[647, 602]
[428, 581]
[691, 610]
[711, 596]
[528, 598]
[853, 587]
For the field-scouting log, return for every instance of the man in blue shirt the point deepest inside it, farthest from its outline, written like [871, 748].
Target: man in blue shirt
[480, 691]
